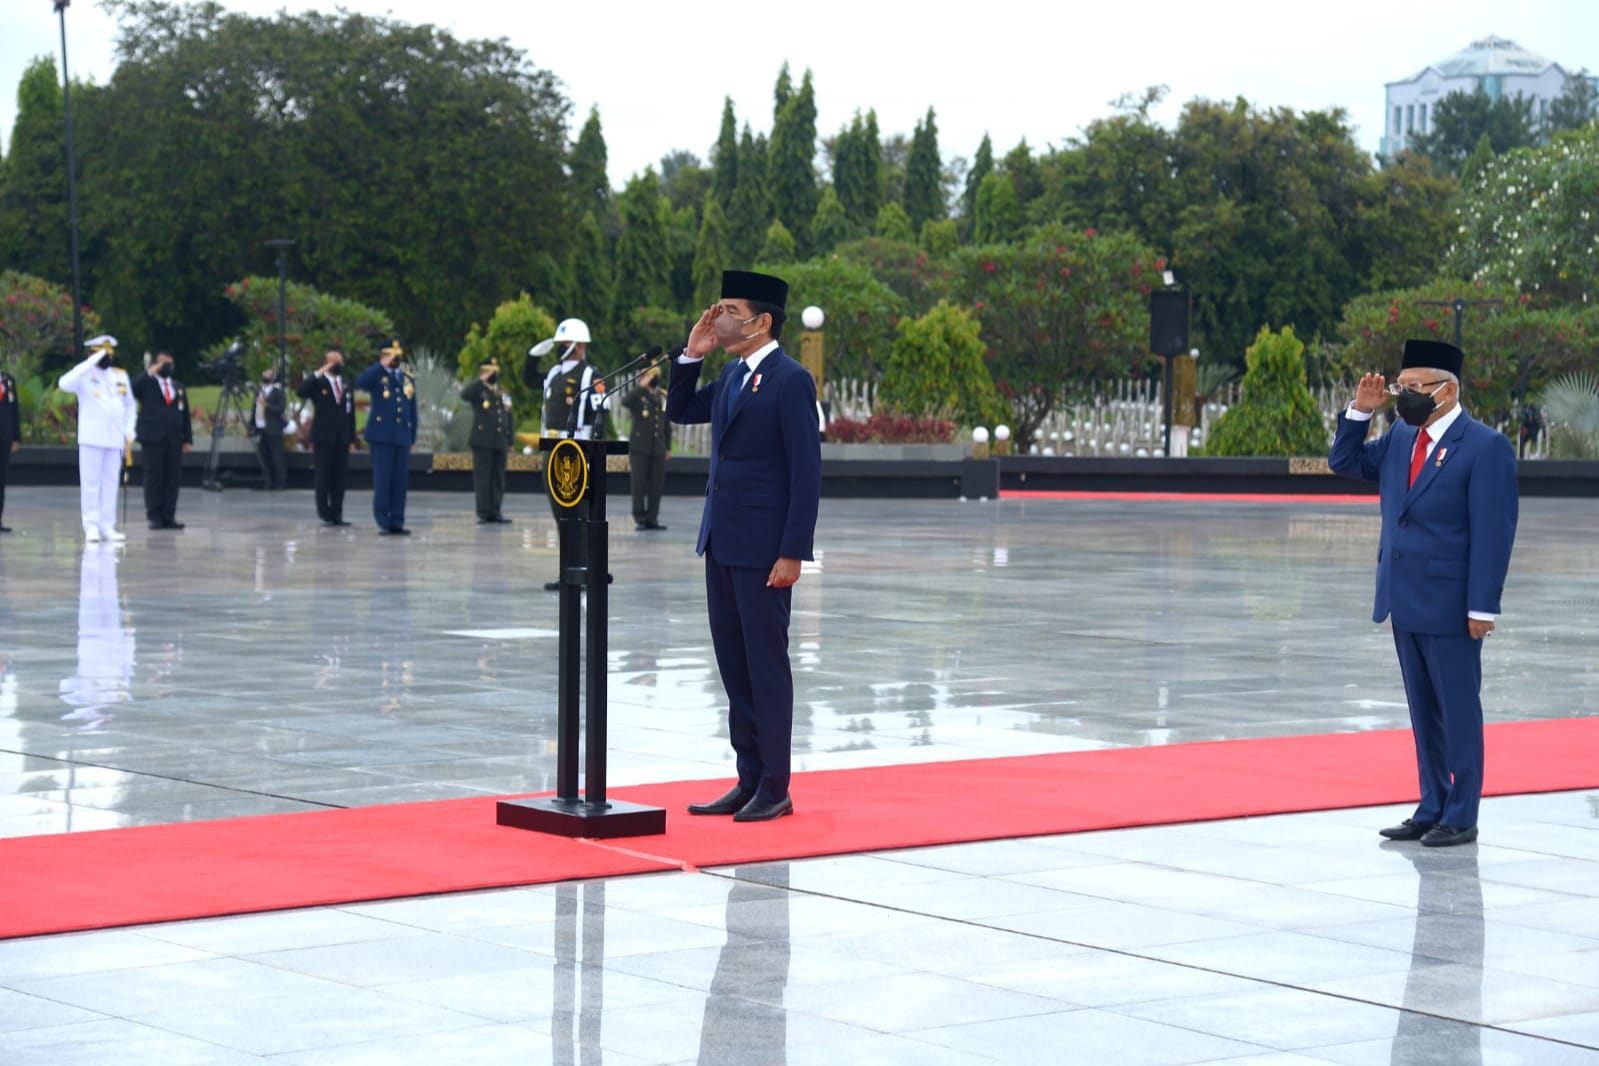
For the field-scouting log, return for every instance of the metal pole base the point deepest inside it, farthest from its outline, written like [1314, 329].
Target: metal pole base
[575, 818]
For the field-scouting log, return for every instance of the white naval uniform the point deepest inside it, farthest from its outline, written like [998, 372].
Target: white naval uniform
[106, 417]
[590, 400]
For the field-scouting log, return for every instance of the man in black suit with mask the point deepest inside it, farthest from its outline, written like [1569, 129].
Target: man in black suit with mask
[332, 434]
[270, 404]
[10, 435]
[164, 432]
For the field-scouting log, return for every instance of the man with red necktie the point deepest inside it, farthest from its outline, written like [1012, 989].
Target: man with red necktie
[164, 433]
[332, 434]
[1447, 485]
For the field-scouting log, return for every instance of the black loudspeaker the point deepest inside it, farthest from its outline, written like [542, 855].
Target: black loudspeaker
[1168, 322]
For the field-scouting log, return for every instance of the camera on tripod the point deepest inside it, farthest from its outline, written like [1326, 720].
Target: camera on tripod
[228, 368]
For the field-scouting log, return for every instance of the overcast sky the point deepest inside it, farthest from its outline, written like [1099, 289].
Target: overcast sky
[1039, 70]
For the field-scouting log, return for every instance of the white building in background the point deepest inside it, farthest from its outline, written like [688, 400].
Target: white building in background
[1493, 64]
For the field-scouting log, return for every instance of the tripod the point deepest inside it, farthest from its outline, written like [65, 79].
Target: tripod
[234, 401]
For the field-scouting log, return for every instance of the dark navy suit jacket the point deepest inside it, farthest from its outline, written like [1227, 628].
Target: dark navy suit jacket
[391, 418]
[765, 482]
[1446, 540]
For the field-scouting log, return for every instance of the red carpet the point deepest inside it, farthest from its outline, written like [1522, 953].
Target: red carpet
[129, 876]
[1189, 497]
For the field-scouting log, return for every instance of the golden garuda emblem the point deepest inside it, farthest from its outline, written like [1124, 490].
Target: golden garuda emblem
[566, 473]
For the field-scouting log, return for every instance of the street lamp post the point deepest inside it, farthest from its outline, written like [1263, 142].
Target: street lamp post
[282, 245]
[72, 189]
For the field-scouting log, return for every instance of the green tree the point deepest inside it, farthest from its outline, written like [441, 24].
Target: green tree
[1276, 414]
[682, 231]
[940, 237]
[724, 158]
[593, 278]
[938, 367]
[1404, 221]
[1024, 173]
[1460, 118]
[684, 181]
[861, 311]
[1575, 107]
[894, 224]
[982, 167]
[516, 326]
[643, 251]
[830, 227]
[1477, 163]
[924, 172]
[751, 212]
[792, 174]
[417, 171]
[779, 247]
[917, 279]
[315, 322]
[857, 171]
[36, 324]
[33, 178]
[1531, 221]
[999, 214]
[711, 254]
[1062, 308]
[591, 187]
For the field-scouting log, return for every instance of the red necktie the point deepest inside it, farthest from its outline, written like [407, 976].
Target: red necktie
[1419, 456]
[338, 393]
[166, 390]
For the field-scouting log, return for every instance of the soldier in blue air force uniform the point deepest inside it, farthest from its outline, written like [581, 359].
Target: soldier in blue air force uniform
[1449, 502]
[390, 432]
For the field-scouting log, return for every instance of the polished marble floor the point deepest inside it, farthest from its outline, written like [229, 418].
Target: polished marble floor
[257, 662]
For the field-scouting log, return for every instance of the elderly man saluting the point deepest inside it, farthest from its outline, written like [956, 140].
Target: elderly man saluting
[1449, 502]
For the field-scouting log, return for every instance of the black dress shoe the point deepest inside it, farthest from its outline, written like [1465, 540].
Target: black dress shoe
[500, 519]
[759, 810]
[5, 529]
[399, 531]
[171, 525]
[639, 527]
[653, 525]
[340, 522]
[1447, 836]
[484, 521]
[157, 525]
[734, 801]
[1409, 829]
[552, 586]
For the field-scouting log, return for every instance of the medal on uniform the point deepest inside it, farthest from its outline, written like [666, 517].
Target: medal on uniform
[485, 405]
[756, 386]
[409, 391]
[1441, 453]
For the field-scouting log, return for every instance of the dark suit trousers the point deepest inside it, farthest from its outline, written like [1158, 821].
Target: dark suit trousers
[749, 629]
[1443, 685]
[274, 465]
[163, 469]
[391, 472]
[488, 480]
[332, 471]
[647, 474]
[5, 463]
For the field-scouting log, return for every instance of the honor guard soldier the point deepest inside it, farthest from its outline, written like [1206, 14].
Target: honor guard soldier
[493, 428]
[649, 446]
[165, 432]
[332, 434]
[106, 418]
[570, 398]
[390, 432]
[10, 435]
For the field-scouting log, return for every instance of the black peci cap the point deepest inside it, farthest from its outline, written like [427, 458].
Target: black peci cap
[1433, 355]
[762, 288]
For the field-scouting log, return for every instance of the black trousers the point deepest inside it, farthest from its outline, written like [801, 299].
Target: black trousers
[647, 474]
[274, 465]
[332, 471]
[163, 470]
[5, 463]
[488, 480]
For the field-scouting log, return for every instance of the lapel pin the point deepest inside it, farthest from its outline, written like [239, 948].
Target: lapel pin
[756, 386]
[1441, 453]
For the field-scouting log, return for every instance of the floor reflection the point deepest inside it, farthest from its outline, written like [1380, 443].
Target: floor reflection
[745, 1021]
[579, 987]
[1446, 958]
[104, 672]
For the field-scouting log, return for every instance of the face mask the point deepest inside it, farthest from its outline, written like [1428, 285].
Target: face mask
[337, 370]
[494, 379]
[730, 330]
[165, 370]
[1416, 407]
[266, 379]
[105, 362]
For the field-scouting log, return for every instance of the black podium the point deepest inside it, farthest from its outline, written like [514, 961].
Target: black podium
[574, 475]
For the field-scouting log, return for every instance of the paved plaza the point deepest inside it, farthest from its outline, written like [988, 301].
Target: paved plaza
[259, 663]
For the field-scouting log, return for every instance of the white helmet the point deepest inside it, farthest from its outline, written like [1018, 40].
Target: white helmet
[572, 331]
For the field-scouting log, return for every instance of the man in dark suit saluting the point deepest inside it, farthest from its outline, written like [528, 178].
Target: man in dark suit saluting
[761, 501]
[1449, 504]
[332, 434]
[164, 432]
[10, 435]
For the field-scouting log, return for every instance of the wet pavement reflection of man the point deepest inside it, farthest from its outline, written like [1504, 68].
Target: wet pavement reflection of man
[745, 1022]
[102, 681]
[1446, 958]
